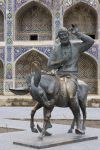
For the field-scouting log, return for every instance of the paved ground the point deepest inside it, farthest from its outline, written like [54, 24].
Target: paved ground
[6, 139]
[58, 113]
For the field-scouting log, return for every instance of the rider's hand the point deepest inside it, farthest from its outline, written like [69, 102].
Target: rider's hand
[74, 29]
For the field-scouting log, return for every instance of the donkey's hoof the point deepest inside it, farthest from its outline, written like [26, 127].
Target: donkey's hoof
[47, 134]
[41, 129]
[78, 131]
[49, 125]
[34, 130]
[70, 131]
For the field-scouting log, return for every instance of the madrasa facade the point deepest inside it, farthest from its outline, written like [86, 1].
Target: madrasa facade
[28, 30]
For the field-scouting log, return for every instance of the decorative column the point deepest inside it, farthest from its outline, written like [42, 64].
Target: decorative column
[59, 8]
[57, 17]
[98, 22]
[98, 33]
[8, 77]
[99, 67]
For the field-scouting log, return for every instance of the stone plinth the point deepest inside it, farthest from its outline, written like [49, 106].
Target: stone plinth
[32, 140]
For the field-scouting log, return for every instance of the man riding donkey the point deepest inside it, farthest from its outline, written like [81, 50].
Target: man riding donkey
[63, 89]
[64, 59]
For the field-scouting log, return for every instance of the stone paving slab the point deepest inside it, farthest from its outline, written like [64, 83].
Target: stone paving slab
[51, 141]
[6, 139]
[57, 113]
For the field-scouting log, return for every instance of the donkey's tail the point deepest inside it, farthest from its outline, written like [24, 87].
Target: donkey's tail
[19, 91]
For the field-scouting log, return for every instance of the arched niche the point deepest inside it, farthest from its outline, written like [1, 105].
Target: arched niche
[88, 72]
[24, 66]
[1, 78]
[33, 22]
[84, 16]
[1, 26]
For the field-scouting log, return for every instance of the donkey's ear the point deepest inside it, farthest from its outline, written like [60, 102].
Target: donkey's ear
[37, 78]
[37, 73]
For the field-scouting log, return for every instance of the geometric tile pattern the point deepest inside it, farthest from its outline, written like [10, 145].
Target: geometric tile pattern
[8, 85]
[94, 51]
[69, 3]
[19, 3]
[3, 6]
[87, 68]
[2, 50]
[1, 77]
[2, 54]
[84, 16]
[1, 26]
[88, 72]
[18, 51]
[57, 16]
[24, 66]
[34, 20]
[9, 40]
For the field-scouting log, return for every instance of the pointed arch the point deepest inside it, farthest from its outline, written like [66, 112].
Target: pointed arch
[23, 66]
[1, 78]
[33, 21]
[30, 1]
[84, 15]
[1, 25]
[88, 72]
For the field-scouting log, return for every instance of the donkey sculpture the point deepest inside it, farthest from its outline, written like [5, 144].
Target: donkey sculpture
[47, 88]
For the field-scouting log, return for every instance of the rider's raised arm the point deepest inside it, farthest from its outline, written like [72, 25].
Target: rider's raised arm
[87, 41]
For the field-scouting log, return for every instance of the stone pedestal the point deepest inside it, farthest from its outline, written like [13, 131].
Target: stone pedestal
[32, 140]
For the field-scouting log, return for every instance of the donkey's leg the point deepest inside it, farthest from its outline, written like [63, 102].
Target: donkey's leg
[47, 116]
[73, 102]
[36, 107]
[72, 126]
[46, 123]
[76, 112]
[83, 109]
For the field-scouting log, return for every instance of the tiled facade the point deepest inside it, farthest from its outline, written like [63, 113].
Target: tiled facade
[27, 33]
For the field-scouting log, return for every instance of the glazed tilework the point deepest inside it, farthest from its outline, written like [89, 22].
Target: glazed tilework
[36, 20]
[3, 6]
[8, 84]
[9, 71]
[69, 3]
[2, 54]
[24, 66]
[87, 69]
[18, 51]
[10, 54]
[19, 3]
[88, 72]
[94, 51]
[1, 77]
[9, 41]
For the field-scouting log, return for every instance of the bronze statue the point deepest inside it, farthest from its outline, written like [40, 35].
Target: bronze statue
[48, 99]
[63, 89]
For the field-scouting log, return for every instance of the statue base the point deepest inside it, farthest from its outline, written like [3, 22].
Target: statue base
[33, 140]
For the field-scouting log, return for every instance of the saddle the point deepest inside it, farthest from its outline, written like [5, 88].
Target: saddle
[63, 81]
